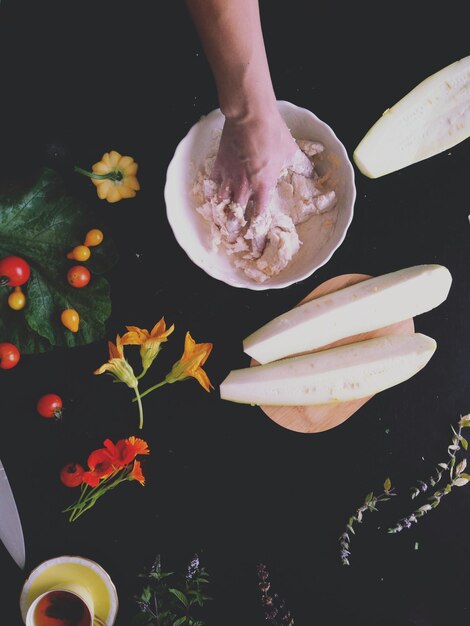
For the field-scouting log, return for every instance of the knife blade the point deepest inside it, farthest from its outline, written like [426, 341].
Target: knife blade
[11, 532]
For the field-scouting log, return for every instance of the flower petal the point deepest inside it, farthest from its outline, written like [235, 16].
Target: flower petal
[159, 328]
[91, 479]
[160, 331]
[115, 350]
[196, 351]
[119, 347]
[99, 458]
[203, 379]
[137, 474]
[110, 447]
[135, 336]
[139, 445]
[106, 367]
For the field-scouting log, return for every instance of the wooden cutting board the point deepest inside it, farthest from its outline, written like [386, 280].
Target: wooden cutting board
[320, 417]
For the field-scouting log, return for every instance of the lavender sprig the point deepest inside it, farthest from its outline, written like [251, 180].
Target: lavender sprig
[193, 568]
[456, 478]
[441, 468]
[370, 503]
[275, 610]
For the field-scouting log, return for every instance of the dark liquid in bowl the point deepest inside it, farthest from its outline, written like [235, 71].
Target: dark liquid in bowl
[60, 608]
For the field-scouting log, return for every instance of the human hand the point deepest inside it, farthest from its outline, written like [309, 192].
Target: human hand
[253, 151]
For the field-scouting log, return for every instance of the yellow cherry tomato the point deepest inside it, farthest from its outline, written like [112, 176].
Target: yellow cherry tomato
[93, 237]
[79, 253]
[17, 299]
[70, 319]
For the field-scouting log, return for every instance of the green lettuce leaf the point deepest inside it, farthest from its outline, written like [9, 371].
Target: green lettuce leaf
[41, 223]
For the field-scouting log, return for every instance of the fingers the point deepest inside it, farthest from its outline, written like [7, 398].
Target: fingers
[224, 192]
[238, 192]
[261, 198]
[242, 194]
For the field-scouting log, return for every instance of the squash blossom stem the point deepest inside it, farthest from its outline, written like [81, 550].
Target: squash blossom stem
[141, 410]
[114, 175]
[163, 382]
[142, 373]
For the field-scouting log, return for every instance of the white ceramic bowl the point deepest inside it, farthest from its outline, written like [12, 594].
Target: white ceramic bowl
[321, 235]
[64, 572]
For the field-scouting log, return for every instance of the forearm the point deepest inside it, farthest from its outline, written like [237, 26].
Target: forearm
[230, 31]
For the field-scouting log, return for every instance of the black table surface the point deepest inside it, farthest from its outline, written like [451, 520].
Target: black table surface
[223, 479]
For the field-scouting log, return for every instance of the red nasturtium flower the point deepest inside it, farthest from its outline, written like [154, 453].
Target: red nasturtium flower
[71, 475]
[101, 466]
[108, 466]
[125, 450]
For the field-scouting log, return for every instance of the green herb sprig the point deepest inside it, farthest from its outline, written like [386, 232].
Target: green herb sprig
[169, 599]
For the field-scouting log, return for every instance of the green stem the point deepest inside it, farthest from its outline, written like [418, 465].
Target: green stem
[114, 175]
[79, 511]
[83, 505]
[138, 398]
[147, 391]
[83, 490]
[142, 373]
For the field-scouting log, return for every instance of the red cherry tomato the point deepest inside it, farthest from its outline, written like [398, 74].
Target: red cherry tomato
[14, 271]
[78, 276]
[50, 405]
[9, 356]
[71, 475]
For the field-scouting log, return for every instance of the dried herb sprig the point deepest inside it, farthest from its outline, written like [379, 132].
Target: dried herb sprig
[275, 610]
[458, 441]
[170, 600]
[370, 504]
[456, 478]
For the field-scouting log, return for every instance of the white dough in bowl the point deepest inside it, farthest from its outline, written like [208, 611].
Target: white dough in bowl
[264, 245]
[320, 236]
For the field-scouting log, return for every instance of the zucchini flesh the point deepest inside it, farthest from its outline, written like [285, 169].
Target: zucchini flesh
[365, 306]
[336, 375]
[433, 117]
